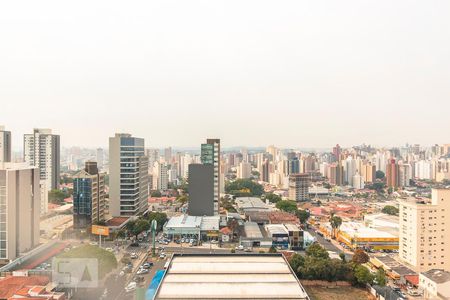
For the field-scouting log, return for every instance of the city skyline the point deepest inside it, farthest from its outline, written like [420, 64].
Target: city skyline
[299, 74]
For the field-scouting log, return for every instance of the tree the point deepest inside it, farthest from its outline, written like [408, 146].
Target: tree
[303, 216]
[287, 206]
[390, 210]
[273, 250]
[242, 187]
[156, 194]
[380, 277]
[360, 257]
[379, 174]
[161, 219]
[57, 196]
[335, 222]
[137, 227]
[317, 251]
[363, 275]
[273, 198]
[342, 257]
[183, 199]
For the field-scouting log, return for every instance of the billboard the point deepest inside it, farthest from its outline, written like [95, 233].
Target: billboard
[100, 230]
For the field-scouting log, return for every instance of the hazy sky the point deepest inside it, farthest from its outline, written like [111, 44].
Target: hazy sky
[290, 73]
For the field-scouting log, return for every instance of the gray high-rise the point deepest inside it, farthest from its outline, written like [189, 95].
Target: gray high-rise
[5, 145]
[210, 155]
[201, 190]
[128, 179]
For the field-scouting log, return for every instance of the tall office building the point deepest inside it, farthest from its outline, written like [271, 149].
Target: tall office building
[19, 210]
[210, 154]
[201, 190]
[337, 152]
[299, 187]
[42, 150]
[424, 231]
[100, 158]
[293, 166]
[88, 196]
[265, 170]
[336, 174]
[128, 179]
[5, 145]
[392, 174]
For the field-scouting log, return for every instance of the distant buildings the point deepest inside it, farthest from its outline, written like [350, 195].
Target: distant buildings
[244, 170]
[201, 190]
[392, 174]
[88, 196]
[128, 167]
[424, 231]
[298, 187]
[5, 145]
[42, 149]
[160, 176]
[210, 155]
[19, 210]
[336, 174]
[100, 158]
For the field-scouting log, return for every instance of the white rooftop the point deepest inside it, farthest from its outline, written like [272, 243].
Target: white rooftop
[184, 221]
[360, 230]
[230, 277]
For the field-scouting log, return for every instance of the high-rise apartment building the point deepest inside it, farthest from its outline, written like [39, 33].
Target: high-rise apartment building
[168, 155]
[392, 174]
[128, 179]
[244, 170]
[336, 174]
[5, 145]
[368, 172]
[299, 187]
[19, 210]
[160, 176]
[201, 190]
[424, 231]
[210, 154]
[88, 196]
[42, 150]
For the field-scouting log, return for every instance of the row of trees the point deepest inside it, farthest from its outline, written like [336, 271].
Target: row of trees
[317, 265]
[291, 207]
[244, 188]
[136, 227]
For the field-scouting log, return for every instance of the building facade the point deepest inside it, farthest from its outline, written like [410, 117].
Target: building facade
[19, 210]
[42, 150]
[201, 190]
[210, 154]
[5, 145]
[88, 196]
[424, 231]
[298, 187]
[128, 166]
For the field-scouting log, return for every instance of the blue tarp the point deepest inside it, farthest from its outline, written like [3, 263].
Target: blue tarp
[153, 287]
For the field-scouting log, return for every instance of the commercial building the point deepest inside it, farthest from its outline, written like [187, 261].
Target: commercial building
[19, 210]
[88, 196]
[435, 284]
[296, 240]
[357, 235]
[128, 167]
[298, 187]
[248, 204]
[252, 276]
[5, 145]
[210, 155]
[42, 149]
[279, 235]
[424, 231]
[201, 228]
[201, 190]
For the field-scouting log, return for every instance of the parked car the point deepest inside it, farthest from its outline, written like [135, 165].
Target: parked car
[142, 271]
[133, 255]
[147, 265]
[240, 247]
[131, 287]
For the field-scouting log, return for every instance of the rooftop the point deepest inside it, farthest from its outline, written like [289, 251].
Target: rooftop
[437, 275]
[230, 277]
[184, 221]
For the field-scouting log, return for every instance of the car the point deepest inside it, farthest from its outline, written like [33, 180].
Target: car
[247, 250]
[109, 249]
[214, 242]
[131, 287]
[190, 244]
[133, 255]
[162, 255]
[121, 274]
[240, 247]
[147, 265]
[142, 271]
[182, 240]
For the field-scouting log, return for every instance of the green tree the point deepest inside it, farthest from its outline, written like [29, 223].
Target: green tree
[390, 210]
[363, 275]
[57, 196]
[380, 277]
[342, 257]
[273, 250]
[379, 174]
[156, 194]
[137, 227]
[303, 216]
[183, 199]
[287, 206]
[360, 257]
[273, 198]
[335, 222]
[317, 251]
[241, 187]
[161, 219]
[296, 262]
